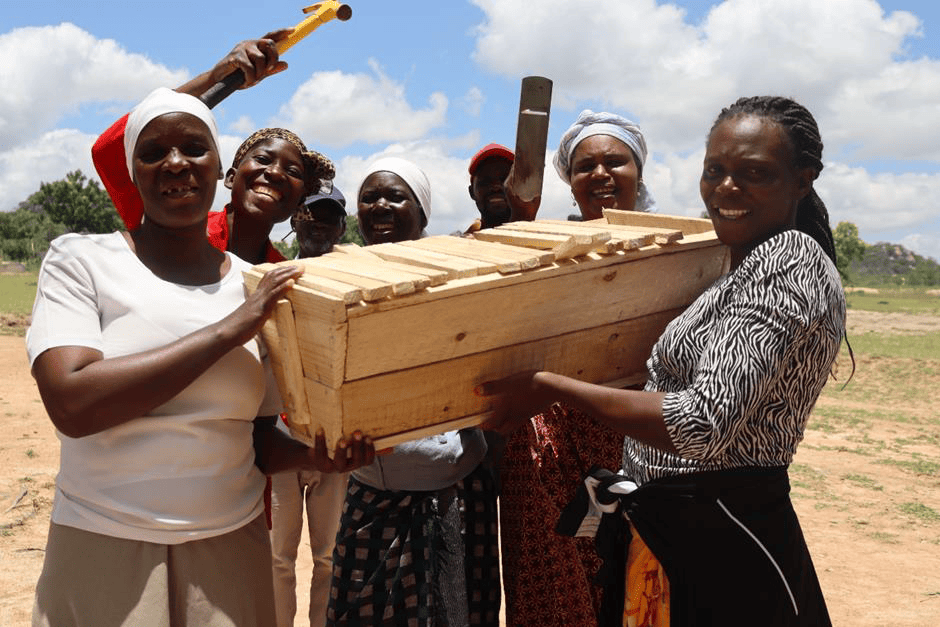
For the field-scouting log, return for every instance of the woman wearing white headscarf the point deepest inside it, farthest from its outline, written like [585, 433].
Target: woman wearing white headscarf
[393, 201]
[601, 156]
[143, 347]
[418, 542]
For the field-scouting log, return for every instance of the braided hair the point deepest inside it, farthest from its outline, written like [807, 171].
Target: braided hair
[798, 123]
[317, 167]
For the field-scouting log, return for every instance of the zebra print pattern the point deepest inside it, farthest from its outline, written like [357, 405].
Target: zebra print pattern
[743, 366]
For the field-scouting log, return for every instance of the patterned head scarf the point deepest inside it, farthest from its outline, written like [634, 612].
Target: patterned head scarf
[411, 174]
[159, 102]
[590, 123]
[317, 167]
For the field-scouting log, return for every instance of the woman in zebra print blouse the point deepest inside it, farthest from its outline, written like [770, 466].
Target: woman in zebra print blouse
[713, 535]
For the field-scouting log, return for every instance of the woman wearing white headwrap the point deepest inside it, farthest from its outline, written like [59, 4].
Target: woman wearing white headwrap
[418, 538]
[602, 157]
[143, 347]
[394, 201]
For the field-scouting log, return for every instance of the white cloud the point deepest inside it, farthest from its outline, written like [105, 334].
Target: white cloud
[339, 109]
[879, 203]
[923, 245]
[644, 60]
[51, 70]
[46, 159]
[472, 101]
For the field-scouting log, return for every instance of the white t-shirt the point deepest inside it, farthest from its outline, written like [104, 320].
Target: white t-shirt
[186, 470]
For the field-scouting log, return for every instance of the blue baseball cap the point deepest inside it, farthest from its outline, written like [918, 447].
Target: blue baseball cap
[330, 193]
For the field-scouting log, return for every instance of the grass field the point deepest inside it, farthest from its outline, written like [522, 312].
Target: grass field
[17, 292]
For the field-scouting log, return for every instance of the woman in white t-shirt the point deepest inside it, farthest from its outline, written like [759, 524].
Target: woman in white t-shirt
[144, 349]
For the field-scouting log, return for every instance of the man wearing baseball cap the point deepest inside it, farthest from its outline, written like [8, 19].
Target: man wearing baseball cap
[320, 222]
[488, 171]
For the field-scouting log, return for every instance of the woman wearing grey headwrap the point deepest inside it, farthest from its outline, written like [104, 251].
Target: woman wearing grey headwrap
[601, 157]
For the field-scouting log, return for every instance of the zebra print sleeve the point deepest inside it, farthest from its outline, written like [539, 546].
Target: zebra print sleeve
[747, 358]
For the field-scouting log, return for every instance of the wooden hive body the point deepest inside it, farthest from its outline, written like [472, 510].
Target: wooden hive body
[391, 339]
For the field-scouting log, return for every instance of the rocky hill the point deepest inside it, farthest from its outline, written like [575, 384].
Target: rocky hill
[893, 264]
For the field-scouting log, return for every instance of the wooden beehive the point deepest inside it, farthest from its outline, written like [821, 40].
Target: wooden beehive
[391, 339]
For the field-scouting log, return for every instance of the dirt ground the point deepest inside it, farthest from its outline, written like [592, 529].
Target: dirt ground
[866, 487]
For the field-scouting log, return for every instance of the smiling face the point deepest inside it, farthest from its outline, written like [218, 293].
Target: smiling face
[176, 166]
[604, 174]
[750, 183]
[388, 210]
[488, 190]
[269, 182]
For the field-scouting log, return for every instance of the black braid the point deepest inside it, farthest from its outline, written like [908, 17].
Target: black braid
[798, 123]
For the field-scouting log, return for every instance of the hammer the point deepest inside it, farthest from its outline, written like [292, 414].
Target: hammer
[322, 12]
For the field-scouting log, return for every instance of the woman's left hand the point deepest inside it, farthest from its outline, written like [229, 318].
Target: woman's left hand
[515, 399]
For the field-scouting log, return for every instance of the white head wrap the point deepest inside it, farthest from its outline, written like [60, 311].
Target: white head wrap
[411, 174]
[590, 123]
[160, 101]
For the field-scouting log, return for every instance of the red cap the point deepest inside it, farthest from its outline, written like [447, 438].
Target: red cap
[490, 150]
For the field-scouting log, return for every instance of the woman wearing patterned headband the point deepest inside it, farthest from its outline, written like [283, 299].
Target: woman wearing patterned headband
[144, 349]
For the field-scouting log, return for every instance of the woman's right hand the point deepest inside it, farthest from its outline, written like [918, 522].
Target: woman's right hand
[246, 321]
[256, 58]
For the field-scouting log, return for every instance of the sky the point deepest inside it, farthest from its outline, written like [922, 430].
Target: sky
[434, 81]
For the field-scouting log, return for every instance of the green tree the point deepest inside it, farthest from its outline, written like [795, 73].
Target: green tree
[79, 204]
[352, 234]
[849, 247]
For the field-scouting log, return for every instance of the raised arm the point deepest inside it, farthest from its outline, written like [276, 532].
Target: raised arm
[84, 393]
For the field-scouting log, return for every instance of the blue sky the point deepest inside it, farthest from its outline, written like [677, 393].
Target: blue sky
[434, 81]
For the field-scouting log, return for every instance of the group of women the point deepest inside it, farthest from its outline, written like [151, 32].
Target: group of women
[144, 349]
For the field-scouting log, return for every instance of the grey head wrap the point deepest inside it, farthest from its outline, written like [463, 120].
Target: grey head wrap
[590, 123]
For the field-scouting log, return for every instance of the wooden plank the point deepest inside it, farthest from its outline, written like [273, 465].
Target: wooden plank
[640, 218]
[622, 238]
[581, 233]
[426, 276]
[456, 267]
[522, 253]
[327, 306]
[483, 319]
[370, 289]
[438, 393]
[349, 294]
[403, 282]
[530, 234]
[322, 346]
[291, 365]
[352, 249]
[503, 265]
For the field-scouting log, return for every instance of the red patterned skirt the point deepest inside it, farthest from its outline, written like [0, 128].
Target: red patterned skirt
[547, 577]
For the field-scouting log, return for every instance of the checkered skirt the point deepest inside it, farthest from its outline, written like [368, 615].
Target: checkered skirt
[396, 563]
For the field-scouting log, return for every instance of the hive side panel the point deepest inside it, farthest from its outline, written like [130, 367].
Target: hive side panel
[487, 318]
[326, 412]
[411, 399]
[322, 346]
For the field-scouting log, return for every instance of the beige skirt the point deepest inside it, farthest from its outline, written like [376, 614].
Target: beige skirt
[94, 580]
